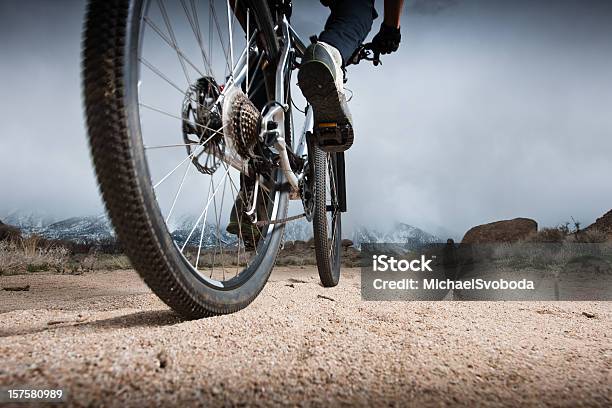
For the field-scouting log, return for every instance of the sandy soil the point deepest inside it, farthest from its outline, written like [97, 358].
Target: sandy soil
[107, 340]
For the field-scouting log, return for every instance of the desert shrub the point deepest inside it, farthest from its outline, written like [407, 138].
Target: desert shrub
[290, 261]
[10, 257]
[549, 235]
[34, 267]
[548, 256]
[591, 237]
[109, 246]
[525, 255]
[89, 262]
[25, 256]
[112, 262]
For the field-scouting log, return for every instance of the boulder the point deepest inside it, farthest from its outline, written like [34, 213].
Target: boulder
[501, 231]
[346, 243]
[602, 224]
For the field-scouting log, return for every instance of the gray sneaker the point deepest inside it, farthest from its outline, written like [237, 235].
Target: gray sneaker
[321, 80]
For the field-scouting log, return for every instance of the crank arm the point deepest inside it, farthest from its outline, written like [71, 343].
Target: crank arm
[255, 194]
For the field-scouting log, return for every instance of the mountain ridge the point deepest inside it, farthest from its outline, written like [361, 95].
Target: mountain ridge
[99, 227]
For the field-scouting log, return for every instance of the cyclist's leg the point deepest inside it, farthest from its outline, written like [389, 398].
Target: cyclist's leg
[321, 77]
[348, 25]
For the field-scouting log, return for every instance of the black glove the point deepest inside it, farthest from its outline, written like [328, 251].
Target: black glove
[387, 40]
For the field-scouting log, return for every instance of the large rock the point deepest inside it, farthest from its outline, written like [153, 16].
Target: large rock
[603, 224]
[501, 231]
[346, 243]
[9, 232]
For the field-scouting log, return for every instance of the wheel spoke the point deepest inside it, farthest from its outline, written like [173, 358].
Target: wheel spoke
[155, 70]
[239, 219]
[195, 27]
[163, 112]
[183, 161]
[205, 210]
[178, 192]
[173, 39]
[169, 42]
[218, 26]
[231, 42]
[248, 48]
[158, 72]
[171, 145]
[202, 229]
[218, 217]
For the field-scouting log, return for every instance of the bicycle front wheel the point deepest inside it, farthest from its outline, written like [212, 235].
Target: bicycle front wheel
[154, 76]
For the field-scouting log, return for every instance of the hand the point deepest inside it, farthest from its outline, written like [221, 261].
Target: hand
[387, 40]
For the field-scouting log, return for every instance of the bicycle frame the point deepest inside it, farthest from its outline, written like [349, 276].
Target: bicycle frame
[276, 113]
[292, 47]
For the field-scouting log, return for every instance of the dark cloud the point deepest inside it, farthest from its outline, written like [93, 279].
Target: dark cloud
[430, 7]
[497, 109]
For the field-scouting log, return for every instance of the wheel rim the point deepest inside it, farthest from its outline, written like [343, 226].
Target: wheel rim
[184, 176]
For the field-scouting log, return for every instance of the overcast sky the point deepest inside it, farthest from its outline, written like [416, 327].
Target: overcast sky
[490, 110]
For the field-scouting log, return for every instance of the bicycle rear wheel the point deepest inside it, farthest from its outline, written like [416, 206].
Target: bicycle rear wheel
[327, 217]
[158, 146]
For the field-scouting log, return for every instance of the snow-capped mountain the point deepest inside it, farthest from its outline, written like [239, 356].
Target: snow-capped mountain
[212, 237]
[93, 228]
[97, 228]
[400, 233]
[78, 229]
[298, 230]
[29, 222]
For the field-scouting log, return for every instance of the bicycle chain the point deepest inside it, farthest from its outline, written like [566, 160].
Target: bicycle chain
[281, 221]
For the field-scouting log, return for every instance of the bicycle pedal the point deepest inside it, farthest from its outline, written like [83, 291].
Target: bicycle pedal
[333, 137]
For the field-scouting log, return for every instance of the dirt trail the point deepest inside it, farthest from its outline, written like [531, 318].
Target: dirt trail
[106, 339]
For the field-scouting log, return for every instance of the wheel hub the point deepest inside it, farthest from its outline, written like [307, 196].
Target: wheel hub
[202, 125]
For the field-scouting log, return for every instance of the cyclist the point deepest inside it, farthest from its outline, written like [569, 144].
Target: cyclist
[321, 75]
[321, 78]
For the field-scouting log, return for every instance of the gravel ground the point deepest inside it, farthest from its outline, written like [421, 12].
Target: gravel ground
[107, 340]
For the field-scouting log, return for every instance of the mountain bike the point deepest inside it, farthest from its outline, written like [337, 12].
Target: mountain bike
[191, 130]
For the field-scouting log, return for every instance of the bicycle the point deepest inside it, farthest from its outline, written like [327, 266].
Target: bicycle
[220, 132]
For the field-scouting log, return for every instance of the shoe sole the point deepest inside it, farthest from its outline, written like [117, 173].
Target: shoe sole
[333, 130]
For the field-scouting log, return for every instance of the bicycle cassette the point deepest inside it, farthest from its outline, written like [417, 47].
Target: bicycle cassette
[241, 122]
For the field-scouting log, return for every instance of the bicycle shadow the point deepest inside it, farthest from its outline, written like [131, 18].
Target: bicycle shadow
[148, 318]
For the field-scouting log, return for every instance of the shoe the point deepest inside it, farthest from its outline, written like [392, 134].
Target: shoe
[246, 231]
[322, 82]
